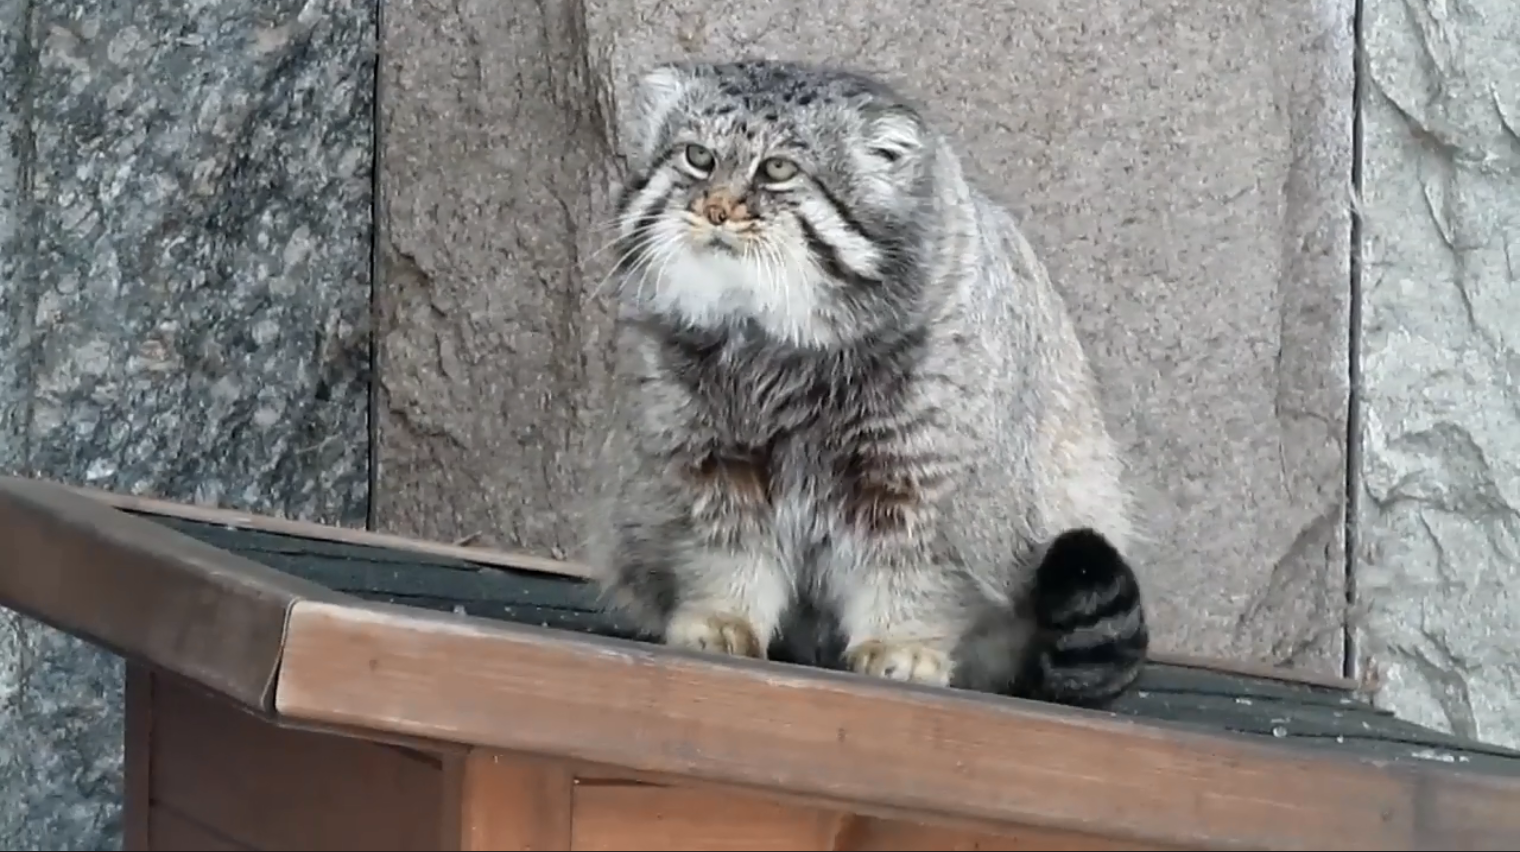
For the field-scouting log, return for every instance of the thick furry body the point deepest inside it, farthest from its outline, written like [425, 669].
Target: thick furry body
[847, 387]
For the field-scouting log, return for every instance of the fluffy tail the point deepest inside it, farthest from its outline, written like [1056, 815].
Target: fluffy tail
[1091, 638]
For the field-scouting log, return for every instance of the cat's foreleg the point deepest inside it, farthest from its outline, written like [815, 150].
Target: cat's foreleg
[900, 593]
[733, 586]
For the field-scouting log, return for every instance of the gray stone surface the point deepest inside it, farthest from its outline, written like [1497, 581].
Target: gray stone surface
[185, 292]
[201, 258]
[1438, 567]
[1184, 168]
[14, 323]
[60, 740]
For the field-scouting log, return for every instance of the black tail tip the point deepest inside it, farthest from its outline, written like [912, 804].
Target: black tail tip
[1093, 640]
[1077, 562]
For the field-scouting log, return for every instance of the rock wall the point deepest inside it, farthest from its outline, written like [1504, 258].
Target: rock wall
[1184, 168]
[1438, 561]
[186, 218]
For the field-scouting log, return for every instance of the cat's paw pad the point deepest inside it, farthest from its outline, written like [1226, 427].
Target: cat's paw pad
[715, 633]
[912, 662]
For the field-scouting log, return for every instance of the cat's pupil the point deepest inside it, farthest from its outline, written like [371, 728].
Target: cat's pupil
[698, 157]
[778, 169]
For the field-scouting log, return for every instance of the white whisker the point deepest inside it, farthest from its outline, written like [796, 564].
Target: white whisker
[669, 253]
[637, 259]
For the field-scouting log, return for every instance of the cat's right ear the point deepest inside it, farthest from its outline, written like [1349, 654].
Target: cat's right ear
[656, 95]
[894, 134]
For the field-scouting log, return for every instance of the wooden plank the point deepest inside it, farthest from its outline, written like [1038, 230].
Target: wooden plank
[271, 788]
[871, 834]
[867, 826]
[172, 832]
[143, 591]
[503, 801]
[933, 754]
[324, 532]
[623, 815]
[137, 762]
[630, 817]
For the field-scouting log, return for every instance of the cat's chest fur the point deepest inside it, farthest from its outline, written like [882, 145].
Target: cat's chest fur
[802, 418]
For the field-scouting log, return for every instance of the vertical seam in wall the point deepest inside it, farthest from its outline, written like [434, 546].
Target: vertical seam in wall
[376, 269]
[1351, 665]
[28, 235]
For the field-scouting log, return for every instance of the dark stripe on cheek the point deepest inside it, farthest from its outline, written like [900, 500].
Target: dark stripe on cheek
[639, 182]
[828, 257]
[630, 191]
[843, 212]
[629, 247]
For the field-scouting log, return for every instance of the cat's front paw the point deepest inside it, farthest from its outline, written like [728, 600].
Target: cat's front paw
[912, 662]
[717, 633]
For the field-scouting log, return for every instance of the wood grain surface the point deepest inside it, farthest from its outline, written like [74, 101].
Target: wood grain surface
[934, 753]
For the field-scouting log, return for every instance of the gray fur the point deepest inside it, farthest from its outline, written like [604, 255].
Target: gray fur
[880, 406]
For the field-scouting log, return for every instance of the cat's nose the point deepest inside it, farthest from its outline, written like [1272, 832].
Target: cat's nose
[720, 207]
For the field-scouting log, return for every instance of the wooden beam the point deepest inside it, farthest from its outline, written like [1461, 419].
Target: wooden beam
[145, 591]
[322, 532]
[137, 759]
[499, 800]
[934, 753]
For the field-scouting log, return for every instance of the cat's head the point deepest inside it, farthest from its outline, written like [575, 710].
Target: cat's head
[774, 194]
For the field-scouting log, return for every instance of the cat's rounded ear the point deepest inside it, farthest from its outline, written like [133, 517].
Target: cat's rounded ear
[894, 134]
[656, 94]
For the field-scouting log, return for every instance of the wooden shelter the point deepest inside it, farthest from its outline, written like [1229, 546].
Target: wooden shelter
[301, 687]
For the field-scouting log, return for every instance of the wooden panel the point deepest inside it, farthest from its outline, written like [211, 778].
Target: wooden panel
[928, 754]
[137, 768]
[235, 519]
[508, 801]
[275, 789]
[614, 817]
[174, 833]
[873, 827]
[869, 834]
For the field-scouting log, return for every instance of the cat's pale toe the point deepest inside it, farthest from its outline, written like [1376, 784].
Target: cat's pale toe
[717, 633]
[912, 662]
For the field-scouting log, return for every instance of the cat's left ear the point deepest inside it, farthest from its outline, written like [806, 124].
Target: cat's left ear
[656, 95]
[894, 134]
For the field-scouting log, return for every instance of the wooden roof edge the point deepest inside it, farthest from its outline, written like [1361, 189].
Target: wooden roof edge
[936, 754]
[145, 591]
[233, 519]
[545, 565]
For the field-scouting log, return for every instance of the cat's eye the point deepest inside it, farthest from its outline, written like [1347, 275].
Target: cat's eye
[699, 158]
[778, 169]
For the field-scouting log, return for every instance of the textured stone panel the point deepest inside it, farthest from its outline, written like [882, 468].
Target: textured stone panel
[14, 319]
[1183, 166]
[60, 740]
[201, 259]
[494, 182]
[1438, 569]
[185, 204]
